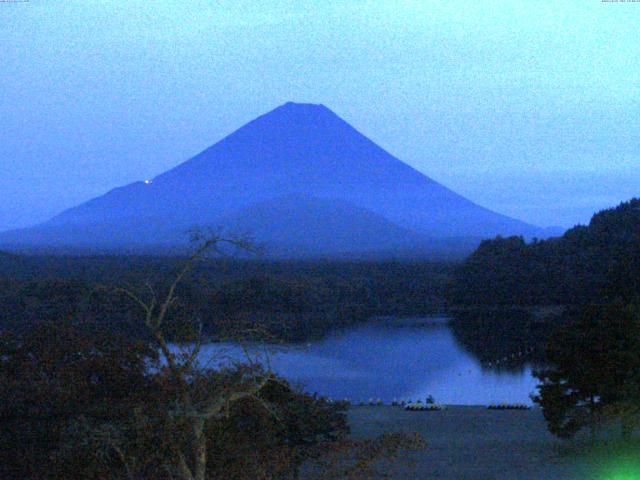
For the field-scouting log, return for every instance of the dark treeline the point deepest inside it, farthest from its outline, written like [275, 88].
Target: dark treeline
[505, 338]
[293, 301]
[598, 263]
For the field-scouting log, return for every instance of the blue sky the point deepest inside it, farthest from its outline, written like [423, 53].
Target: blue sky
[528, 108]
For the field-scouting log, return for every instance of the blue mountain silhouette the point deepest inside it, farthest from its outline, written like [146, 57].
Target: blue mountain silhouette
[300, 178]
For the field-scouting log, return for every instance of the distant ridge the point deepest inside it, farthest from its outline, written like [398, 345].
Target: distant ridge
[300, 178]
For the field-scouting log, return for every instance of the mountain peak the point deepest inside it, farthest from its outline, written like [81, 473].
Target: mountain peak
[292, 111]
[303, 106]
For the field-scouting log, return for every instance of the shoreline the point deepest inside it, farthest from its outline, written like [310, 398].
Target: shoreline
[473, 442]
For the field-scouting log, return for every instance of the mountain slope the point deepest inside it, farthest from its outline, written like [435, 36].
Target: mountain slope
[296, 149]
[330, 227]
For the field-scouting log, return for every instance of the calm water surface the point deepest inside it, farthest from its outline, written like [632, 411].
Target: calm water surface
[386, 359]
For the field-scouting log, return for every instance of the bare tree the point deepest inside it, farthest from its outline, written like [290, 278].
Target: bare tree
[196, 403]
[200, 398]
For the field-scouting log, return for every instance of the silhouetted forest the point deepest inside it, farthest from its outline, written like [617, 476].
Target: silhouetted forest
[506, 338]
[598, 263]
[293, 301]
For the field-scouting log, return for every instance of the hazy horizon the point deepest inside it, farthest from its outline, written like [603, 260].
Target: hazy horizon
[527, 109]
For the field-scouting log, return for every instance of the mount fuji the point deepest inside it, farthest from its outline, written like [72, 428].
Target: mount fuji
[299, 179]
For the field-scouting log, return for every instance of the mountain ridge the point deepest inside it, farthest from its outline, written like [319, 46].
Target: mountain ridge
[295, 149]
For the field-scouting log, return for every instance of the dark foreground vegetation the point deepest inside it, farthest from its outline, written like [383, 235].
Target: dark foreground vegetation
[81, 400]
[78, 406]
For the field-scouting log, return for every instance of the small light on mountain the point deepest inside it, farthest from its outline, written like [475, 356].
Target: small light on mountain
[147, 182]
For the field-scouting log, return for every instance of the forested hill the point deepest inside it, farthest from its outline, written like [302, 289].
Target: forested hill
[596, 263]
[291, 301]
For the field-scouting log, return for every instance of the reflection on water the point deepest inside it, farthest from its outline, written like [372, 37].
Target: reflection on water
[386, 359]
[504, 339]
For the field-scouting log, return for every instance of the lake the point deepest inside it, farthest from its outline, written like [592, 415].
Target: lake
[387, 359]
